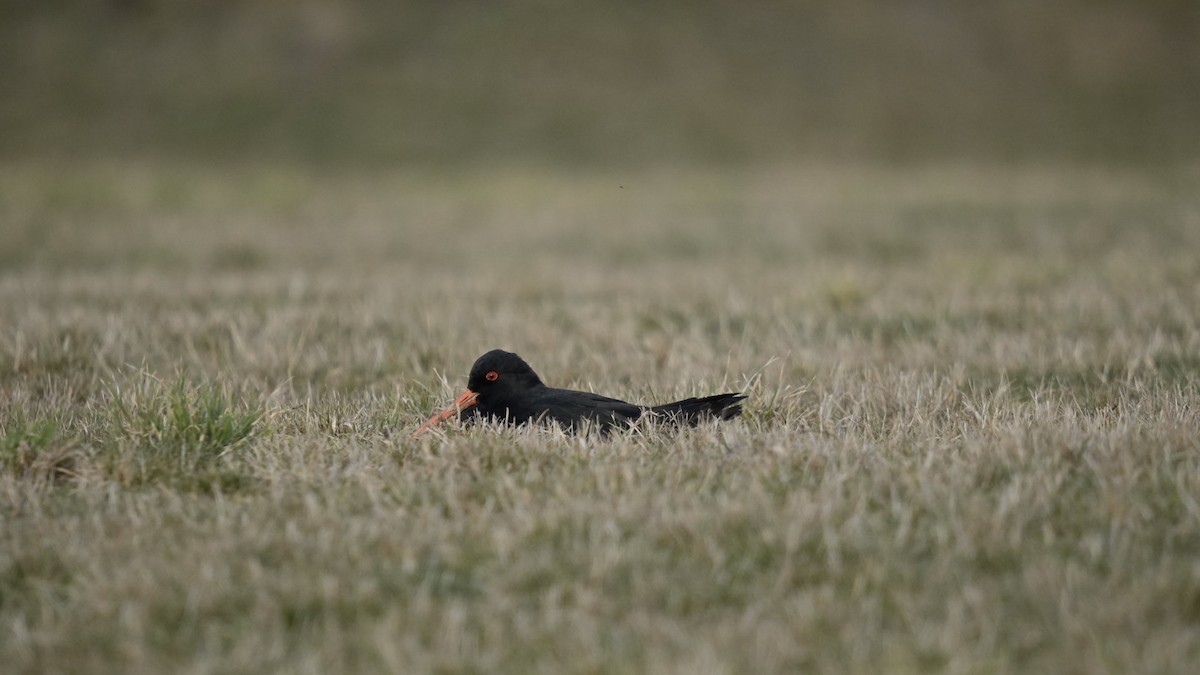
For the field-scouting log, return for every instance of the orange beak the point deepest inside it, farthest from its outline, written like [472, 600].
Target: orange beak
[468, 399]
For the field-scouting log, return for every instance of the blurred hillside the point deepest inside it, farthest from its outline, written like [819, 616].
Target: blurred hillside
[600, 83]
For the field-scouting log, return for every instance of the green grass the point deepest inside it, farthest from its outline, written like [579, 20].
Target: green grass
[619, 84]
[181, 434]
[969, 445]
[31, 448]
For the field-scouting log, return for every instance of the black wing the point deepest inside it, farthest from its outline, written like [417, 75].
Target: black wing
[573, 408]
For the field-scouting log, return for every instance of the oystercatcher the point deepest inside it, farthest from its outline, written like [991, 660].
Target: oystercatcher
[503, 387]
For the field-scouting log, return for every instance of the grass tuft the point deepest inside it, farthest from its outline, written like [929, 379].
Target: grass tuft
[34, 449]
[181, 432]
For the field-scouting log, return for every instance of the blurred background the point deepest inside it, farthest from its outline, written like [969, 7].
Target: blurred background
[615, 84]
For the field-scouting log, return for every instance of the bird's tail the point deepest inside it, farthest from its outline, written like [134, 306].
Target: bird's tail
[692, 411]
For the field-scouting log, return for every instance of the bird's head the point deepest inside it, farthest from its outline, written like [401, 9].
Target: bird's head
[499, 373]
[497, 376]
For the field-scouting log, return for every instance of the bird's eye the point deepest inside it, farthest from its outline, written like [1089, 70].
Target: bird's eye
[492, 376]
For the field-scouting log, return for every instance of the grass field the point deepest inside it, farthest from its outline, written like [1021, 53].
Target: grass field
[970, 446]
[620, 83]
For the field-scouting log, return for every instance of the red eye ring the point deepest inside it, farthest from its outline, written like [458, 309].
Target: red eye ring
[492, 376]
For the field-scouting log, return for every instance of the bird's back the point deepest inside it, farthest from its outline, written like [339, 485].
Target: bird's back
[573, 408]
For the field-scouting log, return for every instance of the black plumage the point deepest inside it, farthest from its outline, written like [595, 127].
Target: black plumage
[503, 387]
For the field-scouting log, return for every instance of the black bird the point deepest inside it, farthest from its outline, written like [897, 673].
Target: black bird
[503, 387]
